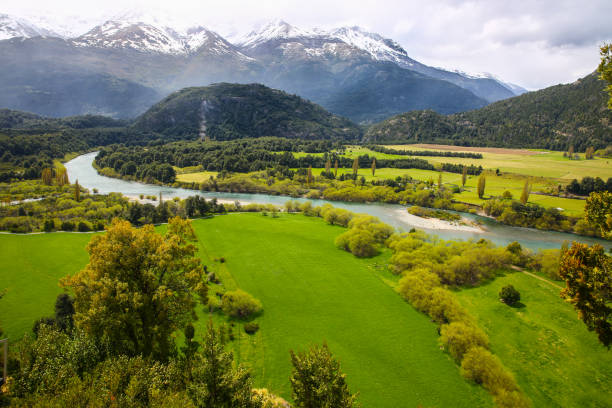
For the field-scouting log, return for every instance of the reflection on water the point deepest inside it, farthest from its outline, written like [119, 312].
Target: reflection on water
[80, 168]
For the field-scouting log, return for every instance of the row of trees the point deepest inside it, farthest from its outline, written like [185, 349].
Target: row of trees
[429, 153]
[589, 185]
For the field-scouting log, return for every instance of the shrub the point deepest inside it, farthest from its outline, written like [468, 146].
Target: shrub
[49, 226]
[482, 367]
[251, 327]
[509, 295]
[84, 226]
[360, 243]
[459, 337]
[237, 303]
[67, 226]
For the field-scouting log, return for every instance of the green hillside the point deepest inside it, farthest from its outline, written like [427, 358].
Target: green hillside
[554, 118]
[232, 111]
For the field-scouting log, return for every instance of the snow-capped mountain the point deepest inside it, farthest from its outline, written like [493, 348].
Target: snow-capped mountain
[152, 36]
[380, 48]
[11, 27]
[274, 30]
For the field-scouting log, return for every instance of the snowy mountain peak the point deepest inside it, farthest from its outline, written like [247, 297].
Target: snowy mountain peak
[11, 27]
[276, 29]
[380, 48]
[135, 35]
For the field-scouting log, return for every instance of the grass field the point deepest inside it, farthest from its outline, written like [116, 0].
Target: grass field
[197, 177]
[557, 362]
[30, 269]
[311, 292]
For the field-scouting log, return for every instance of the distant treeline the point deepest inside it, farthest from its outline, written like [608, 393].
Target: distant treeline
[589, 185]
[245, 155]
[431, 153]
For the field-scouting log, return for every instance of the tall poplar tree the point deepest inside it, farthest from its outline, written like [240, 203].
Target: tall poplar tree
[481, 185]
[464, 176]
[525, 193]
[373, 166]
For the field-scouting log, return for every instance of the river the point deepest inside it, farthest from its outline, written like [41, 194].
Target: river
[80, 168]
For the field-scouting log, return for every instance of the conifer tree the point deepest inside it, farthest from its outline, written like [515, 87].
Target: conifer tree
[317, 381]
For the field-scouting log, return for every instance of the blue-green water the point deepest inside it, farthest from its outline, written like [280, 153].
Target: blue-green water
[81, 168]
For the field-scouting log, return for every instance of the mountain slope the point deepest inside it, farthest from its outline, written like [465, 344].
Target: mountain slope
[12, 27]
[554, 118]
[231, 111]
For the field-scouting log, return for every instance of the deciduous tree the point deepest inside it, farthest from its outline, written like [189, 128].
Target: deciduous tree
[139, 287]
[587, 272]
[481, 185]
[464, 176]
[605, 69]
[525, 193]
[598, 211]
[373, 166]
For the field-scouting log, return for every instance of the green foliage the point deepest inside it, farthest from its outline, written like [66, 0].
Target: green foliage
[139, 287]
[553, 118]
[509, 295]
[215, 382]
[429, 213]
[587, 272]
[598, 211]
[317, 381]
[359, 242]
[251, 327]
[238, 303]
[605, 69]
[525, 193]
[482, 367]
[459, 338]
[234, 111]
[481, 186]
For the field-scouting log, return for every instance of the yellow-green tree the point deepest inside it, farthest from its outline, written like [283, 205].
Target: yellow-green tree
[47, 176]
[598, 211]
[61, 177]
[77, 191]
[309, 175]
[373, 166]
[482, 180]
[605, 69]
[440, 180]
[587, 272]
[463, 176]
[336, 168]
[139, 287]
[525, 193]
[355, 166]
[327, 166]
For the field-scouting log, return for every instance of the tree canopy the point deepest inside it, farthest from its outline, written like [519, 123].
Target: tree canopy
[139, 287]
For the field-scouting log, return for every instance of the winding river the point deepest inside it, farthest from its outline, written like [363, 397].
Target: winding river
[81, 168]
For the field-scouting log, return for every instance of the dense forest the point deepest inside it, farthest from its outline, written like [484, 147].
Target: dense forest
[233, 111]
[553, 118]
[244, 155]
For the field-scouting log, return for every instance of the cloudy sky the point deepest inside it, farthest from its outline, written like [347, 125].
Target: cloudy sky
[534, 43]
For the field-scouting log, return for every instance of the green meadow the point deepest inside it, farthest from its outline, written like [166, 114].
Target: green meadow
[555, 359]
[311, 292]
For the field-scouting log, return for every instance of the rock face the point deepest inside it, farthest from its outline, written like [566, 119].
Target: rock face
[152, 58]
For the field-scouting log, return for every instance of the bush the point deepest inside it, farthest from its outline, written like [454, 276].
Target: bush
[360, 243]
[459, 337]
[237, 303]
[49, 226]
[67, 226]
[509, 295]
[482, 367]
[84, 226]
[251, 328]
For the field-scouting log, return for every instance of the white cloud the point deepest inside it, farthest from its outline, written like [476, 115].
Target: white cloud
[532, 43]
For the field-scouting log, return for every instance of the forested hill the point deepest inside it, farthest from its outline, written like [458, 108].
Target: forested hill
[232, 111]
[555, 118]
[13, 119]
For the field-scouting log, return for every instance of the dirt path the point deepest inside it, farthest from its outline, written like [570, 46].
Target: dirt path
[533, 275]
